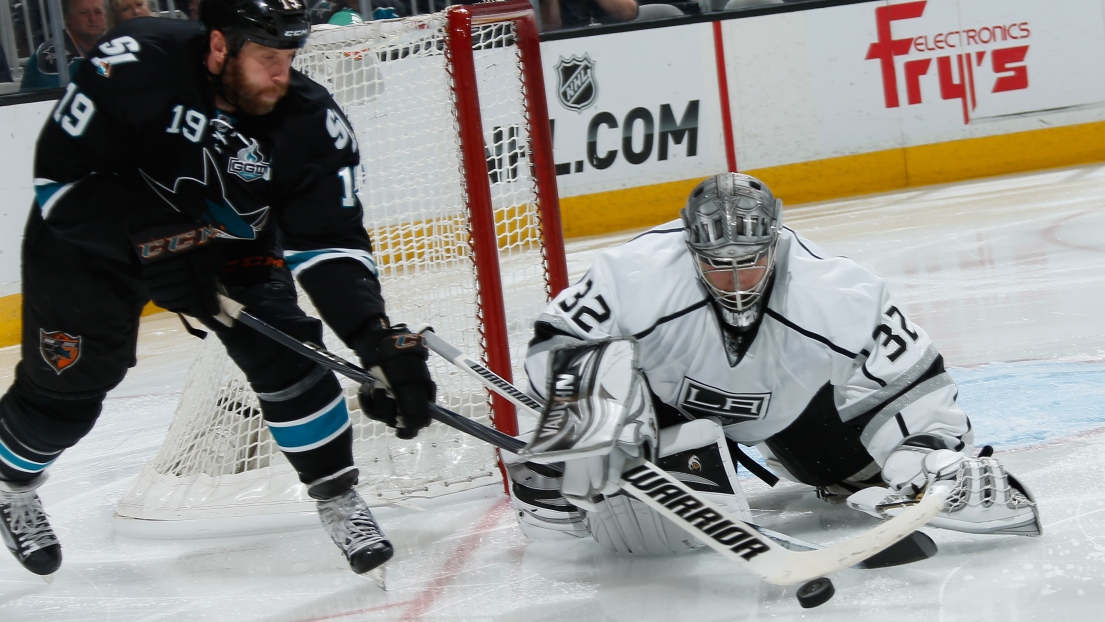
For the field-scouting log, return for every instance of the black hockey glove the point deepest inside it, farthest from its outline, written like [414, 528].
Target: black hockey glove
[401, 356]
[179, 268]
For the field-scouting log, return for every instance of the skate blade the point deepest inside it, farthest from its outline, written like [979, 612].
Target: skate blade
[48, 578]
[377, 576]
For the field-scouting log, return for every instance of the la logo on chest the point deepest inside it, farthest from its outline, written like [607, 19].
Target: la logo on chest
[701, 400]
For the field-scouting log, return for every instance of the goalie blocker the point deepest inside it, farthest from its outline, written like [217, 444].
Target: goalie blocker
[599, 420]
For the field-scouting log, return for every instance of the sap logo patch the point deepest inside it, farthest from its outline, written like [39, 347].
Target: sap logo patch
[576, 86]
[700, 400]
[60, 350]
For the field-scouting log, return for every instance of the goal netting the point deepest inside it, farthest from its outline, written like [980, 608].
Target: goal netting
[459, 193]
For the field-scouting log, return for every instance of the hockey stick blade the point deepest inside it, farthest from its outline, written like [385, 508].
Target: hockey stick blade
[732, 538]
[915, 547]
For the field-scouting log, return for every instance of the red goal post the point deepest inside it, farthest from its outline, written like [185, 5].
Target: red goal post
[462, 18]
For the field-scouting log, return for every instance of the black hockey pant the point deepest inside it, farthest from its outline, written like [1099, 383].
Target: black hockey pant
[80, 330]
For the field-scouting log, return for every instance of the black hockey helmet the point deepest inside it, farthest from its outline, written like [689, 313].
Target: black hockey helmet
[281, 24]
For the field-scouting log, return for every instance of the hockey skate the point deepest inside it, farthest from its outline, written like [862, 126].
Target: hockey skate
[25, 530]
[349, 522]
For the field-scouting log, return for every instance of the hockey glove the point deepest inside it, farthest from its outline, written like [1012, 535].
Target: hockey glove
[599, 418]
[986, 498]
[179, 268]
[401, 356]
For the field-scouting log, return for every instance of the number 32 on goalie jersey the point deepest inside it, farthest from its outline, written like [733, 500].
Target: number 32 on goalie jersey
[586, 314]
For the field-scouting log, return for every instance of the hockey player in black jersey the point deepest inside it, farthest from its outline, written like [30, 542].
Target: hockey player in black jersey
[749, 334]
[182, 157]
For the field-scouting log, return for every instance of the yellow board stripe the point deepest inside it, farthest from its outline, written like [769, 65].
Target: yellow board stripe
[866, 173]
[819, 180]
[9, 319]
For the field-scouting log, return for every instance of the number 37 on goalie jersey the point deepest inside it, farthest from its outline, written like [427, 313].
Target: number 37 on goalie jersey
[897, 346]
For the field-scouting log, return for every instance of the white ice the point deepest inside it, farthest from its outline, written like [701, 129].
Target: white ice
[1007, 275]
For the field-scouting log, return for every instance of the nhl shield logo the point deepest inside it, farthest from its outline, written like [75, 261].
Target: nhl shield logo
[576, 87]
[60, 350]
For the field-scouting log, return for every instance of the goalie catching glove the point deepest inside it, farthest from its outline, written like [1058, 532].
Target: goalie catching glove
[404, 403]
[986, 498]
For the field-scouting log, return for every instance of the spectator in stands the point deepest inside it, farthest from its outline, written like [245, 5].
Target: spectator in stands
[119, 11]
[84, 25]
[578, 13]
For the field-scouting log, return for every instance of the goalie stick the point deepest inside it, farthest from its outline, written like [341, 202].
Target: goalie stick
[734, 539]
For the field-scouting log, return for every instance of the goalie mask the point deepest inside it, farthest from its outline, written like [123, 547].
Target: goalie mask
[732, 224]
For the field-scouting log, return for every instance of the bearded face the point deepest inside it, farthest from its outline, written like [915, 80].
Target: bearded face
[249, 92]
[257, 77]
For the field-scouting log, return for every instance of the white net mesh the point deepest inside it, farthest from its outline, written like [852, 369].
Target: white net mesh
[393, 81]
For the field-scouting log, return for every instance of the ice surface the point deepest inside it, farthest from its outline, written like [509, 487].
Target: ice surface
[1006, 274]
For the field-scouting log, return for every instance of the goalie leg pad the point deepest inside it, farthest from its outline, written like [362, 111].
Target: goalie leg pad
[623, 524]
[697, 454]
[542, 511]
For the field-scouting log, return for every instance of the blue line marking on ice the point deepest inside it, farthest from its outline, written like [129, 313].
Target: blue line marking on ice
[1031, 402]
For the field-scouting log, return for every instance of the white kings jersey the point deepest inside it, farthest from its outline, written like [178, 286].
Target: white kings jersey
[833, 352]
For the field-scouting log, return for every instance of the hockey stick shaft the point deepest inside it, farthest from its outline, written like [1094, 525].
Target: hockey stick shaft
[235, 311]
[732, 538]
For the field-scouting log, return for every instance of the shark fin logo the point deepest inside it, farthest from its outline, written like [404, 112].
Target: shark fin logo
[60, 350]
[189, 195]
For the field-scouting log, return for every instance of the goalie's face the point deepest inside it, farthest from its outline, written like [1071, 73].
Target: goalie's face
[737, 284]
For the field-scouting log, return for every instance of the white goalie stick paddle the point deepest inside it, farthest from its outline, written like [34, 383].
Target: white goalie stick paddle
[732, 538]
[778, 563]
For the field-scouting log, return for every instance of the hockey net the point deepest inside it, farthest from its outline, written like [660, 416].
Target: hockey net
[459, 193]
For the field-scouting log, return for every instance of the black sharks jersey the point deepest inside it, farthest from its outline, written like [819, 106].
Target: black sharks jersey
[136, 141]
[835, 368]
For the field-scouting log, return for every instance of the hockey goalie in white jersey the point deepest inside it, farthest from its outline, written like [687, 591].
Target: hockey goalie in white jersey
[748, 334]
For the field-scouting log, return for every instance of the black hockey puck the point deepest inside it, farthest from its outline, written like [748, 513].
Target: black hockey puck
[815, 593]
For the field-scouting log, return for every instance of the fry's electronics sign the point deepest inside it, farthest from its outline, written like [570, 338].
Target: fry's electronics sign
[969, 61]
